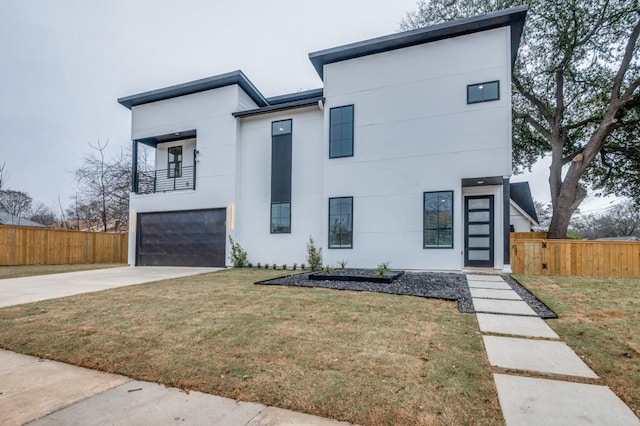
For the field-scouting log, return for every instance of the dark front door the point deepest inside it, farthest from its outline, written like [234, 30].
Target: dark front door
[478, 231]
[181, 238]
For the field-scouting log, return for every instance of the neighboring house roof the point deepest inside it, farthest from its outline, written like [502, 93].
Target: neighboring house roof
[513, 17]
[629, 238]
[209, 83]
[521, 196]
[9, 219]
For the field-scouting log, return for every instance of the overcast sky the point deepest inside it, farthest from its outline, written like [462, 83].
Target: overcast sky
[64, 64]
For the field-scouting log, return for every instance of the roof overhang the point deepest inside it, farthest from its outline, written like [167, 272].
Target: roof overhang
[280, 107]
[513, 18]
[209, 83]
[523, 213]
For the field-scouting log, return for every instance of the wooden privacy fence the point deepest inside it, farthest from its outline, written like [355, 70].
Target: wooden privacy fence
[21, 245]
[580, 258]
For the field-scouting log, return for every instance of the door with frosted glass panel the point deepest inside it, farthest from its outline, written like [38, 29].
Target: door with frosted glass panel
[478, 231]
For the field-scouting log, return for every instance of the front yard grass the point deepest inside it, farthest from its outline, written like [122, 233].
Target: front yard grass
[31, 270]
[368, 358]
[600, 319]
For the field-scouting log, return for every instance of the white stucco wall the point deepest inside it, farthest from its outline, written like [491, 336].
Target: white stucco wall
[414, 132]
[254, 178]
[519, 221]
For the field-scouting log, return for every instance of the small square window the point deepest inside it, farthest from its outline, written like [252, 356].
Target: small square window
[282, 127]
[483, 92]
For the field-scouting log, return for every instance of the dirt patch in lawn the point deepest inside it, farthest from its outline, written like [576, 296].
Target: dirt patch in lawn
[599, 318]
[32, 270]
[367, 358]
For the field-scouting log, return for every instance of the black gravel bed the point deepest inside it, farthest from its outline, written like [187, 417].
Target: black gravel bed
[432, 285]
[539, 308]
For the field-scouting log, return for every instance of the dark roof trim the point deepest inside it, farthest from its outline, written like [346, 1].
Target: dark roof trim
[222, 80]
[521, 195]
[169, 137]
[513, 17]
[482, 181]
[279, 107]
[298, 96]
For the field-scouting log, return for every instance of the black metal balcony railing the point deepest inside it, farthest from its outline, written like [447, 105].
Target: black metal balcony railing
[165, 180]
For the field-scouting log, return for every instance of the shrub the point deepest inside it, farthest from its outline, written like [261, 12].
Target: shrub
[284, 267]
[383, 268]
[275, 266]
[302, 266]
[266, 266]
[250, 265]
[314, 255]
[343, 264]
[328, 269]
[238, 256]
[295, 266]
[259, 265]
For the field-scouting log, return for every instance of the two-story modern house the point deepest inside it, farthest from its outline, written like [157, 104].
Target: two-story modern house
[403, 156]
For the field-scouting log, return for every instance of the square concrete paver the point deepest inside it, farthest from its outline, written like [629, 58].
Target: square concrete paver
[529, 401]
[516, 325]
[496, 285]
[541, 356]
[31, 388]
[491, 293]
[145, 403]
[277, 416]
[493, 306]
[495, 278]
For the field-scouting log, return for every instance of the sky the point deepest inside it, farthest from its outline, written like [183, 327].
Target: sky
[66, 62]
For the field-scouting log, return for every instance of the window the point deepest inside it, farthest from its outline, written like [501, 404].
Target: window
[282, 127]
[438, 219]
[483, 92]
[341, 222]
[175, 162]
[280, 218]
[341, 132]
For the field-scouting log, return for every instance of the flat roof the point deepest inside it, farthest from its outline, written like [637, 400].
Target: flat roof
[513, 17]
[209, 83]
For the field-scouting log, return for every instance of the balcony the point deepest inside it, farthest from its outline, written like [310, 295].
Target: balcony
[165, 180]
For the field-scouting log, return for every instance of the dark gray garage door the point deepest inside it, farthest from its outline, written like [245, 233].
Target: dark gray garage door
[184, 238]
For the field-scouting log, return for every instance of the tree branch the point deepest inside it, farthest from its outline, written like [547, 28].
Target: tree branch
[581, 123]
[626, 61]
[532, 121]
[534, 100]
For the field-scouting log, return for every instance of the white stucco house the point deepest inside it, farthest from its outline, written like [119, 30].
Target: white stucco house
[404, 155]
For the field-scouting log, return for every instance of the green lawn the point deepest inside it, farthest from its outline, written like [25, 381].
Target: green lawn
[366, 358]
[31, 270]
[600, 320]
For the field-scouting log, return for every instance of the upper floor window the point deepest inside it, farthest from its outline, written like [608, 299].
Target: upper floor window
[175, 162]
[483, 92]
[438, 219]
[341, 132]
[282, 127]
[341, 222]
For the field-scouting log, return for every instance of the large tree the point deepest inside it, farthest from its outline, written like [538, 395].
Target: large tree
[16, 203]
[576, 93]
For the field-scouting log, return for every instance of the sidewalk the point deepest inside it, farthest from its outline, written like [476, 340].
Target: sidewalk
[46, 392]
[516, 339]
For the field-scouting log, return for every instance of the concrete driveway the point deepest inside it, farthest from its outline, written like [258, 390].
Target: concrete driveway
[16, 291]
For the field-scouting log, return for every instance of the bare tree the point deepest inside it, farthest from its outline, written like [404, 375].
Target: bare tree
[621, 220]
[4, 177]
[43, 215]
[103, 189]
[16, 203]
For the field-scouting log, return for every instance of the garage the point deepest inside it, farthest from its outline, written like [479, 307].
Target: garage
[181, 238]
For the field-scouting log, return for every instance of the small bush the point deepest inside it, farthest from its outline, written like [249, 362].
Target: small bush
[383, 268]
[284, 267]
[343, 264]
[295, 266]
[314, 255]
[328, 269]
[250, 265]
[238, 256]
[266, 266]
[259, 265]
[275, 266]
[302, 266]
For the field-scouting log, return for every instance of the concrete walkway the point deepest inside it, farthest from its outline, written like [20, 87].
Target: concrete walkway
[515, 338]
[43, 392]
[16, 291]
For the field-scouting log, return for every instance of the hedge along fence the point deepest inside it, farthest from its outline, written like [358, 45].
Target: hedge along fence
[21, 245]
[578, 258]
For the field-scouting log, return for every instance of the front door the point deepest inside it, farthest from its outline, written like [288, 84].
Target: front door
[478, 231]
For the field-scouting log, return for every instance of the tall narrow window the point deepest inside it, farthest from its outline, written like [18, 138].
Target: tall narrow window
[341, 132]
[341, 222]
[483, 92]
[281, 158]
[438, 219]
[175, 162]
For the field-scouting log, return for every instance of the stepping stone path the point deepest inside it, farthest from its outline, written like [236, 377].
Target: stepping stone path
[517, 339]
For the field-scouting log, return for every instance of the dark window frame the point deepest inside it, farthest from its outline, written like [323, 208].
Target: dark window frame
[469, 86]
[329, 223]
[272, 230]
[424, 224]
[177, 165]
[353, 114]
